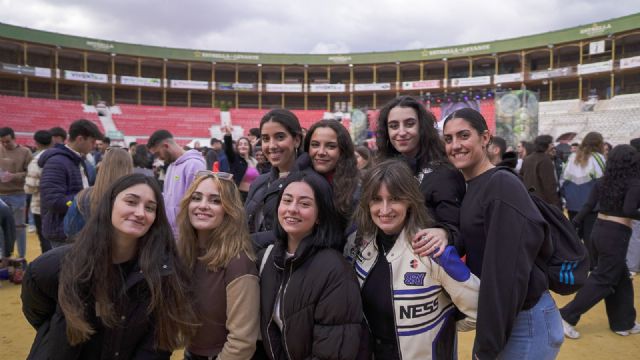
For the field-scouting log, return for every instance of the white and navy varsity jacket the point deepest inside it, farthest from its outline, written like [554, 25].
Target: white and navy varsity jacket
[425, 293]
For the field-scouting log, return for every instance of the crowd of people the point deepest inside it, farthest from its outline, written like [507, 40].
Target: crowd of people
[296, 243]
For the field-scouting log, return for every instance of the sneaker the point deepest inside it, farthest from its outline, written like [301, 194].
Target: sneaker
[31, 229]
[634, 330]
[632, 274]
[569, 330]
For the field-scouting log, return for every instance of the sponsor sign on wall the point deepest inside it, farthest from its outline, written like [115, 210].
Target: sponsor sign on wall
[189, 84]
[472, 81]
[592, 68]
[422, 84]
[86, 76]
[372, 87]
[244, 86]
[284, 87]
[631, 62]
[327, 87]
[507, 78]
[140, 81]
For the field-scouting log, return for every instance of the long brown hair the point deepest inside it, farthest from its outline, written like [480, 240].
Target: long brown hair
[87, 271]
[401, 183]
[226, 241]
[116, 164]
[592, 142]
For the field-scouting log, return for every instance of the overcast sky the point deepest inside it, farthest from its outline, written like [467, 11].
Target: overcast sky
[329, 26]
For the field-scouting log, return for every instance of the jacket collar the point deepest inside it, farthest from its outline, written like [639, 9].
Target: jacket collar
[303, 252]
[371, 249]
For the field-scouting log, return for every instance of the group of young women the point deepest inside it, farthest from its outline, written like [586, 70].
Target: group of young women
[323, 261]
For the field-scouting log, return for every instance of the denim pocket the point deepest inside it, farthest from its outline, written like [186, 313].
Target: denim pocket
[554, 326]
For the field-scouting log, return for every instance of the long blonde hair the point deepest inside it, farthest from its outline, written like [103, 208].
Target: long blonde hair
[115, 164]
[226, 241]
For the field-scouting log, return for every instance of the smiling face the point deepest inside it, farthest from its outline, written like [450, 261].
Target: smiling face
[134, 211]
[243, 147]
[298, 211]
[278, 145]
[404, 129]
[324, 150]
[205, 208]
[388, 211]
[466, 147]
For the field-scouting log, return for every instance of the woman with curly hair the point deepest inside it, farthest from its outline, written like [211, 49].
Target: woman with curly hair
[618, 196]
[119, 290]
[332, 155]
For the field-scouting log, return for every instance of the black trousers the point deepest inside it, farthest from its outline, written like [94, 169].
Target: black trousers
[45, 245]
[585, 234]
[609, 281]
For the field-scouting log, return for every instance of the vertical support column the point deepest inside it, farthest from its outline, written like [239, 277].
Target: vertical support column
[579, 76]
[398, 78]
[85, 68]
[24, 60]
[56, 83]
[446, 75]
[329, 94]
[213, 84]
[351, 77]
[612, 84]
[305, 86]
[139, 75]
[113, 79]
[260, 86]
[470, 61]
[282, 82]
[163, 82]
[189, 78]
[550, 67]
[237, 79]
[375, 80]
[421, 75]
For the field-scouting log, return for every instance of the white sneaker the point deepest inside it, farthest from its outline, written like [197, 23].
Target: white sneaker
[569, 330]
[634, 330]
[632, 274]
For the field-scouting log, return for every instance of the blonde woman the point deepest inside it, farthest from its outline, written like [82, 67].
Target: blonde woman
[214, 244]
[116, 164]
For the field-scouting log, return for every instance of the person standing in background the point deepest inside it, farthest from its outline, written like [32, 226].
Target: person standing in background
[538, 171]
[14, 160]
[32, 183]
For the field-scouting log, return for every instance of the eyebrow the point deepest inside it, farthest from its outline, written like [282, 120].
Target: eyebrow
[138, 197]
[301, 197]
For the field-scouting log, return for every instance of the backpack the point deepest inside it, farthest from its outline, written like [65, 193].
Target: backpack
[567, 266]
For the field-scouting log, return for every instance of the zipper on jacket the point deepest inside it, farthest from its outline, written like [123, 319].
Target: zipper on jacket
[284, 325]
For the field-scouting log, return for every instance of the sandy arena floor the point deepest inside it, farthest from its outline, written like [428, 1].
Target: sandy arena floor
[597, 342]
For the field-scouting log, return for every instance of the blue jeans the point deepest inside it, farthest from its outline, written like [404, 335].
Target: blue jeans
[537, 332]
[18, 205]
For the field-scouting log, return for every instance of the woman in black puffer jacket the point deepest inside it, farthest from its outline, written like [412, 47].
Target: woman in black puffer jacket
[309, 296]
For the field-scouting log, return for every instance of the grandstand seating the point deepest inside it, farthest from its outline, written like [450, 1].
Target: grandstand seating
[27, 115]
[143, 120]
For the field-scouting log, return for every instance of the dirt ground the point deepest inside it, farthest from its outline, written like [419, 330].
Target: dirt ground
[597, 342]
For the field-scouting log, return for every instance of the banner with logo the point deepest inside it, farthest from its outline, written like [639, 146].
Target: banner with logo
[372, 87]
[244, 86]
[327, 87]
[284, 87]
[419, 85]
[189, 84]
[472, 81]
[43, 72]
[631, 62]
[596, 47]
[140, 81]
[86, 76]
[602, 66]
[17, 69]
[507, 78]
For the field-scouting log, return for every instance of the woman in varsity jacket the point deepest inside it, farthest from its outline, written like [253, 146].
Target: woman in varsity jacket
[409, 301]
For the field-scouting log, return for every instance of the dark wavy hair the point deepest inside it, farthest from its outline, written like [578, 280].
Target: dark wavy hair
[327, 233]
[87, 271]
[622, 166]
[345, 178]
[431, 148]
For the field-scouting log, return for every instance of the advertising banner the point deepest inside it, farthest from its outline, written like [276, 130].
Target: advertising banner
[140, 81]
[596, 47]
[284, 87]
[189, 84]
[507, 78]
[43, 72]
[602, 66]
[539, 75]
[472, 81]
[244, 86]
[422, 84]
[17, 69]
[631, 62]
[223, 85]
[372, 87]
[327, 87]
[86, 76]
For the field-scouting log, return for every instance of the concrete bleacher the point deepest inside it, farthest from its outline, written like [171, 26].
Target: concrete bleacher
[143, 120]
[28, 115]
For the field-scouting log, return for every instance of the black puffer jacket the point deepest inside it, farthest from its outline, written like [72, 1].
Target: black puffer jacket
[320, 308]
[132, 339]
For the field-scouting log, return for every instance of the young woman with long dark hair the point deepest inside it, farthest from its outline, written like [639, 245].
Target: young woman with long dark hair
[617, 194]
[119, 290]
[242, 164]
[407, 130]
[503, 234]
[409, 301]
[309, 298]
[214, 244]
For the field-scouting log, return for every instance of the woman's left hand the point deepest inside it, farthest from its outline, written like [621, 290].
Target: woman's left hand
[430, 241]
